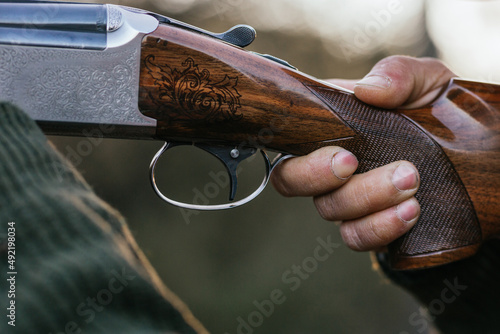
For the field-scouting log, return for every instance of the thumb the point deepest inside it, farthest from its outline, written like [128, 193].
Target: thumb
[401, 81]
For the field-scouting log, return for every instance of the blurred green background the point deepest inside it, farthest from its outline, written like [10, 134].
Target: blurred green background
[224, 263]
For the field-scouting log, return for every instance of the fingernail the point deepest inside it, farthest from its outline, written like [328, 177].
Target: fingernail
[344, 164]
[408, 210]
[375, 80]
[405, 177]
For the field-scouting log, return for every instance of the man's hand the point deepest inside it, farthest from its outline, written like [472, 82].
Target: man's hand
[376, 207]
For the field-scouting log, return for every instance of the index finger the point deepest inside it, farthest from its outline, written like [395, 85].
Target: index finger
[314, 174]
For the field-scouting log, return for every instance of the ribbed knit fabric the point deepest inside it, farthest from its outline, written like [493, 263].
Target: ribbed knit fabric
[77, 265]
[461, 298]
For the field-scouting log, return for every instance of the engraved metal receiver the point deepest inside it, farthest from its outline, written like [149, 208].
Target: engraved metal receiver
[75, 69]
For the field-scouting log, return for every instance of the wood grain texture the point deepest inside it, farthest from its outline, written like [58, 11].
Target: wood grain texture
[465, 122]
[200, 89]
[203, 90]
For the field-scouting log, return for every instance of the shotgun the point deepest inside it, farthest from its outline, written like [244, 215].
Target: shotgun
[79, 68]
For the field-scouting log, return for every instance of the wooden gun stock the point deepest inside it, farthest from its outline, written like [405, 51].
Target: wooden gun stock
[201, 89]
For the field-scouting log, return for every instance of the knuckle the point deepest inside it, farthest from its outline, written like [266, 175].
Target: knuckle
[376, 233]
[397, 64]
[324, 206]
[365, 195]
[310, 179]
[373, 232]
[432, 61]
[351, 236]
[441, 70]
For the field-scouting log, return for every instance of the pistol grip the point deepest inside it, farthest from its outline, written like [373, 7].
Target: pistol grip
[448, 228]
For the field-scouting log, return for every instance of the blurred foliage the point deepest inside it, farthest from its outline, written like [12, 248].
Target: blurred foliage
[220, 263]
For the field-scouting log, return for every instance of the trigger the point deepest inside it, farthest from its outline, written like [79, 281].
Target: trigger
[231, 158]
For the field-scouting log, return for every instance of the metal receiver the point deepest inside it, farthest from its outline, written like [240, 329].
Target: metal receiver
[75, 69]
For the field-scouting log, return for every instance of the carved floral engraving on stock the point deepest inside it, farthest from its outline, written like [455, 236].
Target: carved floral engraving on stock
[190, 92]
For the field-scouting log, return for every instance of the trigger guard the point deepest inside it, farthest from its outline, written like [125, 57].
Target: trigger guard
[269, 168]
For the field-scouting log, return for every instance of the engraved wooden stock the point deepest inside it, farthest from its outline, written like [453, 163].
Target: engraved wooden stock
[200, 89]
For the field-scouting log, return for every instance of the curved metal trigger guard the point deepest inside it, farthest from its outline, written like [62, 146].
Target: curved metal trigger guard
[269, 169]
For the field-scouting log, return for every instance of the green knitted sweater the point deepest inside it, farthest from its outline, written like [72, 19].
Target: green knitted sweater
[77, 268]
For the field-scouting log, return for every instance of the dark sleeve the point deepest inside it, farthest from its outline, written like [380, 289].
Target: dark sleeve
[461, 297]
[78, 267]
